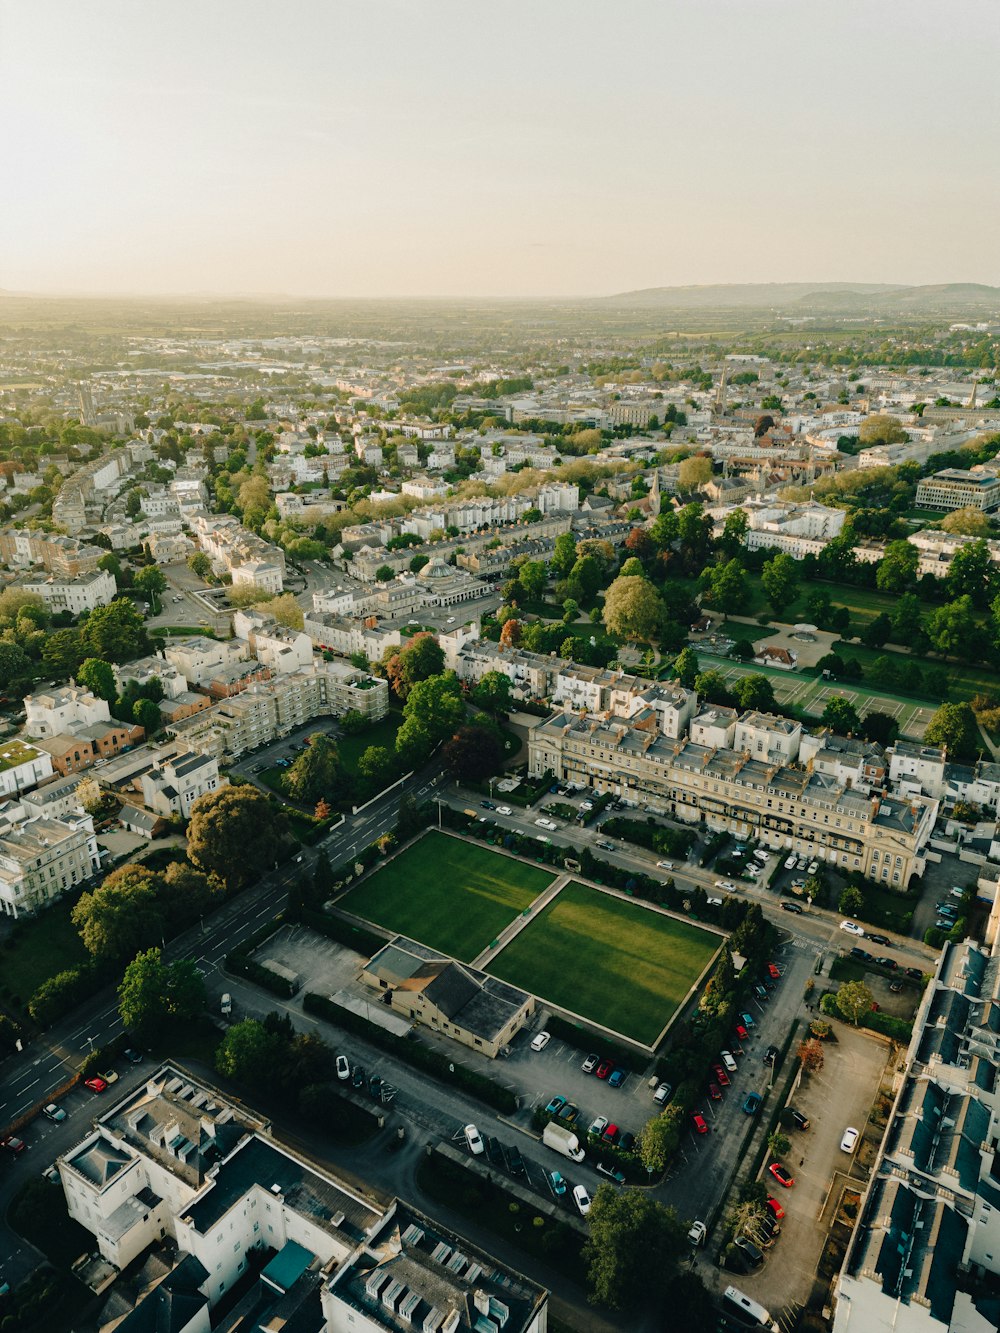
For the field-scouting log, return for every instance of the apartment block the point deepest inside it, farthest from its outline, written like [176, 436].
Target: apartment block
[172, 786]
[22, 766]
[951, 488]
[21, 548]
[74, 593]
[42, 858]
[796, 530]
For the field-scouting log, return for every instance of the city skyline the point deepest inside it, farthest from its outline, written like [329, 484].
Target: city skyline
[561, 151]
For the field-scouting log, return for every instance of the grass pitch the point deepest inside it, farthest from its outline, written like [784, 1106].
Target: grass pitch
[450, 895]
[608, 960]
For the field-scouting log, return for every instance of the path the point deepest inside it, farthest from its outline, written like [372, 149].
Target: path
[519, 922]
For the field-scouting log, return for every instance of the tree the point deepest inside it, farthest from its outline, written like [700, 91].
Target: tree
[493, 693]
[632, 609]
[854, 999]
[473, 753]
[633, 568]
[286, 610]
[811, 1056]
[953, 628]
[249, 1053]
[532, 576]
[694, 472]
[754, 691]
[510, 635]
[969, 522]
[953, 727]
[384, 573]
[199, 564]
[686, 667]
[882, 728]
[99, 677]
[881, 429]
[564, 554]
[728, 587]
[664, 530]
[376, 764]
[734, 531]
[971, 572]
[115, 632]
[851, 901]
[15, 665]
[233, 833]
[122, 915]
[777, 1144]
[419, 659]
[150, 581]
[711, 687]
[780, 580]
[316, 772]
[897, 570]
[841, 716]
[585, 579]
[63, 651]
[433, 710]
[152, 992]
[906, 619]
[659, 1139]
[146, 714]
[626, 1227]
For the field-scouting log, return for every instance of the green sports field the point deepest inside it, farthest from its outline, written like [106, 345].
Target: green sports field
[608, 960]
[450, 895]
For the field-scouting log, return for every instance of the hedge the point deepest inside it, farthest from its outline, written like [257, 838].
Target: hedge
[355, 937]
[655, 837]
[576, 1033]
[412, 1051]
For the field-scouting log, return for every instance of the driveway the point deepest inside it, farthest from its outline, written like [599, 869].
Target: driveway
[841, 1094]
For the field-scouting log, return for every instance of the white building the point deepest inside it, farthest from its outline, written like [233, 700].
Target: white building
[768, 737]
[81, 592]
[61, 710]
[172, 786]
[797, 530]
[43, 858]
[22, 766]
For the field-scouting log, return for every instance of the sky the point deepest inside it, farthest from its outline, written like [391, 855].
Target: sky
[495, 148]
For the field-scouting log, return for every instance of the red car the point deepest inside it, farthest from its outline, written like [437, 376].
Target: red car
[96, 1084]
[698, 1121]
[610, 1134]
[775, 1209]
[741, 1032]
[715, 1092]
[721, 1075]
[13, 1144]
[782, 1175]
[604, 1068]
[774, 971]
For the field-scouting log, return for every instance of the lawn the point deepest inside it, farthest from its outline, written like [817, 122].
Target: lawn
[382, 732]
[964, 679]
[608, 960]
[451, 895]
[38, 948]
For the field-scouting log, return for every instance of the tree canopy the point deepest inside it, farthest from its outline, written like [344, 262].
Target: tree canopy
[234, 833]
[632, 608]
[626, 1228]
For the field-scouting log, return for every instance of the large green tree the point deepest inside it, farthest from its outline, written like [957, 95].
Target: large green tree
[493, 692]
[954, 727]
[972, 573]
[780, 580]
[854, 1000]
[632, 609]
[727, 586]
[234, 834]
[954, 629]
[316, 772]
[153, 994]
[15, 665]
[897, 570]
[115, 632]
[686, 667]
[564, 554]
[99, 677]
[531, 576]
[124, 914]
[626, 1228]
[433, 710]
[419, 659]
[841, 716]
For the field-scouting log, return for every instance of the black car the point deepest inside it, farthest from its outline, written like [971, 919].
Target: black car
[515, 1162]
[890, 963]
[488, 805]
[133, 1056]
[761, 993]
[862, 955]
[792, 907]
[375, 1087]
[770, 1055]
[750, 1253]
[915, 973]
[879, 939]
[627, 1142]
[358, 1077]
[799, 1120]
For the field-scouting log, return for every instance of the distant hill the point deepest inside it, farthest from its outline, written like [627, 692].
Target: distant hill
[803, 297]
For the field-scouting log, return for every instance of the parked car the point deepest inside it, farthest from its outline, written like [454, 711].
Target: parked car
[611, 1133]
[604, 1068]
[665, 865]
[862, 955]
[556, 1183]
[751, 1103]
[582, 1199]
[13, 1144]
[956, 892]
[662, 1094]
[747, 1020]
[617, 1078]
[549, 824]
[792, 907]
[698, 1123]
[799, 1120]
[729, 1061]
[53, 1112]
[504, 810]
[598, 1126]
[591, 1063]
[606, 846]
[715, 1092]
[884, 940]
[555, 1105]
[611, 1172]
[697, 1233]
[540, 1040]
[627, 1142]
[914, 973]
[773, 971]
[895, 987]
[775, 1209]
[852, 927]
[133, 1056]
[812, 867]
[96, 1084]
[790, 863]
[726, 885]
[849, 1142]
[720, 1075]
[749, 1252]
[569, 1114]
[889, 963]
[486, 805]
[760, 993]
[474, 1139]
[741, 1032]
[770, 1055]
[782, 1175]
[343, 1066]
[358, 1077]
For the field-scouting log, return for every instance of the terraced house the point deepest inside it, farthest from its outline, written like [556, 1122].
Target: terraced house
[783, 805]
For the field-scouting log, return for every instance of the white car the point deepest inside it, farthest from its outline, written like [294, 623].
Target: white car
[850, 1139]
[474, 1139]
[697, 1234]
[852, 928]
[54, 1112]
[540, 1040]
[343, 1068]
[812, 868]
[791, 862]
[729, 1061]
[504, 810]
[546, 823]
[582, 1199]
[726, 885]
[665, 865]
[598, 1126]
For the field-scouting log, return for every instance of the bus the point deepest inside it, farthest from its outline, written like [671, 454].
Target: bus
[744, 1312]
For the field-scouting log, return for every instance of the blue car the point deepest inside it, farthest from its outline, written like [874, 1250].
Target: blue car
[752, 1103]
[617, 1078]
[747, 1020]
[557, 1184]
[555, 1106]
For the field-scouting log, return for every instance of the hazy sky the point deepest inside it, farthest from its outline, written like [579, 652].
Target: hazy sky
[495, 147]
